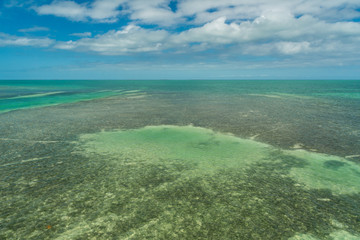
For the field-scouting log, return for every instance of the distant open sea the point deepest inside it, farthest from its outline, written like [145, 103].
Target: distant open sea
[180, 159]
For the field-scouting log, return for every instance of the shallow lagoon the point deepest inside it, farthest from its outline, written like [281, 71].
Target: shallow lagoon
[181, 160]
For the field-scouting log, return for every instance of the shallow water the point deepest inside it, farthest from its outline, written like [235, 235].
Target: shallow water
[179, 160]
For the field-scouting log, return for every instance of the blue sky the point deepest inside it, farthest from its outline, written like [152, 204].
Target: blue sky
[184, 39]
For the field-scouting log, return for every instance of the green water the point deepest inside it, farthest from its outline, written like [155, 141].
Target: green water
[179, 160]
[327, 172]
[205, 149]
[210, 152]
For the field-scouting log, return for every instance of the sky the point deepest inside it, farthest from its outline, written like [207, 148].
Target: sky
[180, 39]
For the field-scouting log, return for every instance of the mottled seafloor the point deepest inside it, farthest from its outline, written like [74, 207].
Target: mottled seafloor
[180, 160]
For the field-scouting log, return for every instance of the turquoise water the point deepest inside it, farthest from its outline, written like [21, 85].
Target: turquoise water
[25, 94]
[179, 160]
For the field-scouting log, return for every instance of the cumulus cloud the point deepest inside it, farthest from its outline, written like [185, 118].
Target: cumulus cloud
[282, 47]
[273, 32]
[9, 40]
[99, 10]
[153, 12]
[208, 10]
[256, 27]
[128, 40]
[273, 26]
[148, 12]
[68, 9]
[199, 12]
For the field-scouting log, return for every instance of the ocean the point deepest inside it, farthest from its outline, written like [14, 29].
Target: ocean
[180, 159]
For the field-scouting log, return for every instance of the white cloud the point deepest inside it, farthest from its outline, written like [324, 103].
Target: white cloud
[286, 32]
[282, 32]
[8, 40]
[217, 32]
[84, 34]
[68, 9]
[105, 9]
[275, 26]
[252, 27]
[128, 40]
[153, 12]
[200, 11]
[34, 29]
[282, 47]
[99, 10]
[69, 45]
[208, 10]
[149, 12]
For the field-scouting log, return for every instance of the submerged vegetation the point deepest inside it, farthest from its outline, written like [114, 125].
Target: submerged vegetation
[132, 166]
